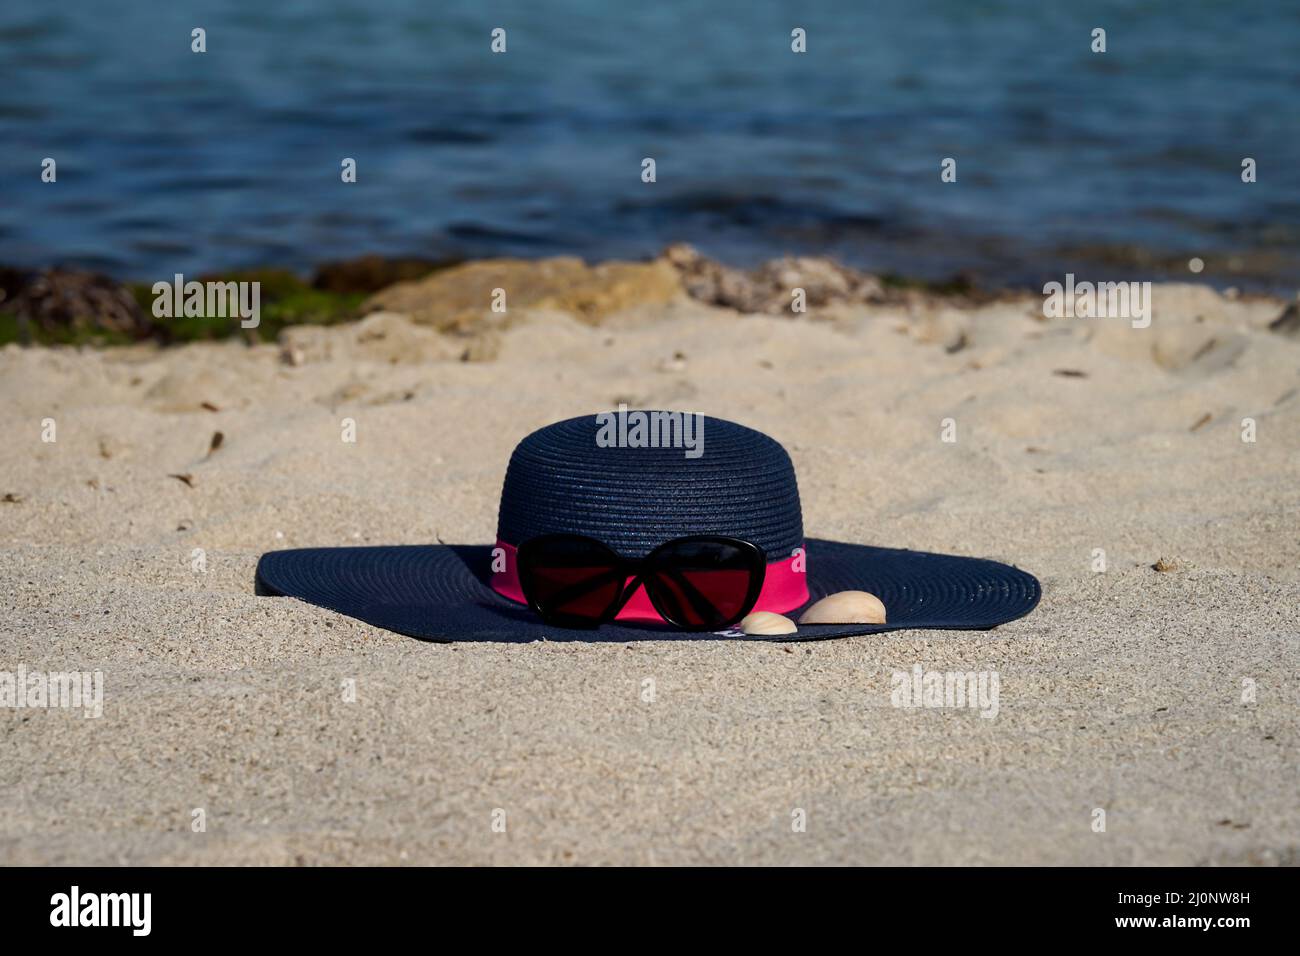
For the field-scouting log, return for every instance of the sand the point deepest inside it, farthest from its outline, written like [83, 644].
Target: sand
[1123, 692]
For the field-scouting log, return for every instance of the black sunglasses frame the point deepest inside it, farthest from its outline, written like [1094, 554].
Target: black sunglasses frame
[634, 571]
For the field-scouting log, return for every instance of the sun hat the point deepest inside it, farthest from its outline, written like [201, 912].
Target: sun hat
[633, 481]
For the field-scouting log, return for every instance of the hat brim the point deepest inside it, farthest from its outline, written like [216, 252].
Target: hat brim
[440, 593]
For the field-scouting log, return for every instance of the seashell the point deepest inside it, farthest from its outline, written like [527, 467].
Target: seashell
[846, 607]
[765, 622]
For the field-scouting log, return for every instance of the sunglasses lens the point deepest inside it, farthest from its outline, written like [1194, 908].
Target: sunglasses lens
[570, 577]
[705, 584]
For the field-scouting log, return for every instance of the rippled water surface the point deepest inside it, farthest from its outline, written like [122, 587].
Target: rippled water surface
[173, 161]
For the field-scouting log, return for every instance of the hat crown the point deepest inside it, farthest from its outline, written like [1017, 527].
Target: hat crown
[644, 488]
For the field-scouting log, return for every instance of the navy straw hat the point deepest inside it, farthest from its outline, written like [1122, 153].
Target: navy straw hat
[634, 489]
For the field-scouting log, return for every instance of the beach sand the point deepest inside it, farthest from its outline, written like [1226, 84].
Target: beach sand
[1122, 692]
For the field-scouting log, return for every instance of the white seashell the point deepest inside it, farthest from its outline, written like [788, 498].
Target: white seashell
[845, 607]
[765, 622]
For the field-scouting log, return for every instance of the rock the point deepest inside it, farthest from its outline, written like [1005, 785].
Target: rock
[67, 304]
[1288, 323]
[681, 255]
[12, 282]
[769, 288]
[846, 607]
[459, 299]
[766, 622]
[823, 281]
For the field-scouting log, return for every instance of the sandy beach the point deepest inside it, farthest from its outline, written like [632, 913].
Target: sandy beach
[1167, 698]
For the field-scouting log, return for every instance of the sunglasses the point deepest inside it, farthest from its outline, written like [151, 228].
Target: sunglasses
[697, 583]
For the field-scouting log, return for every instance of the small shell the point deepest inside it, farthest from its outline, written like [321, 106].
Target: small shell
[765, 622]
[846, 607]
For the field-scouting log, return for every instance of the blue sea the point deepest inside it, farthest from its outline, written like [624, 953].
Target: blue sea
[1120, 164]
